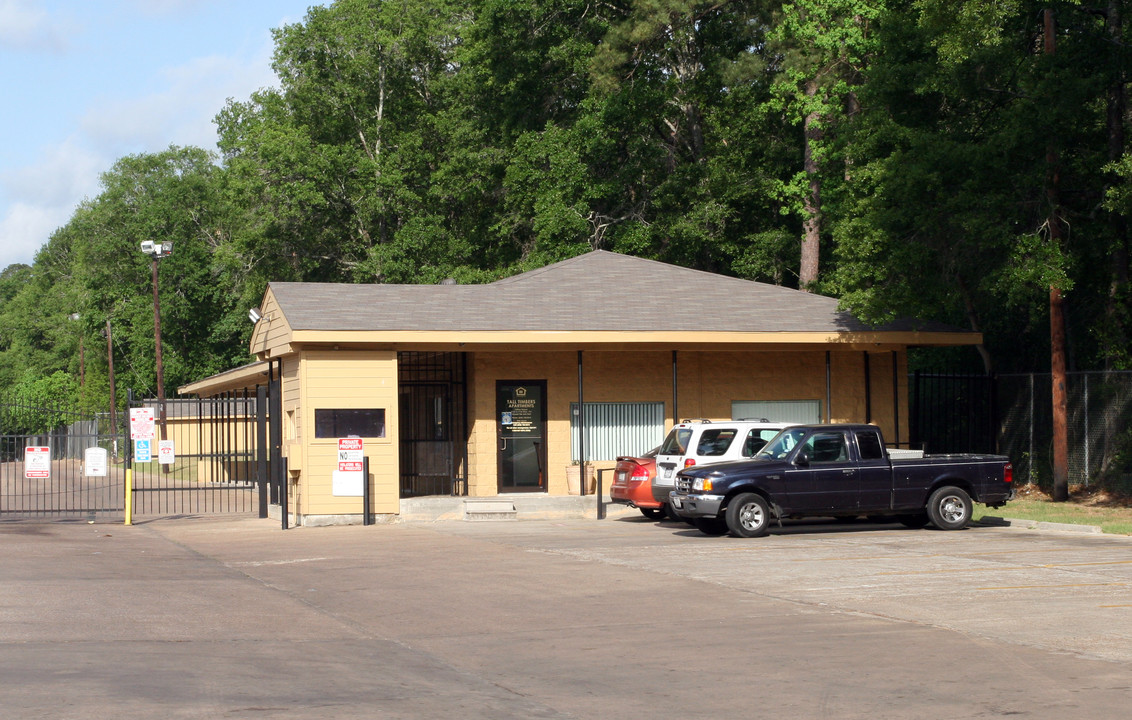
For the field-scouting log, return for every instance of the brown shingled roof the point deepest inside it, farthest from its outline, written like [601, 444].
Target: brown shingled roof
[598, 291]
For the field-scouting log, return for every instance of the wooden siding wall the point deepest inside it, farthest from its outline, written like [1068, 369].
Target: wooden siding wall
[347, 380]
[272, 331]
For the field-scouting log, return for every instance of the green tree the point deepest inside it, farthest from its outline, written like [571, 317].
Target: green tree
[172, 196]
[946, 214]
[822, 49]
[682, 91]
[335, 169]
[39, 405]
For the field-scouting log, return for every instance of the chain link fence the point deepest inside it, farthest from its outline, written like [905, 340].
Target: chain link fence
[1013, 415]
[1100, 432]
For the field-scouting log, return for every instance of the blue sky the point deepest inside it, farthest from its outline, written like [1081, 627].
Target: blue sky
[86, 82]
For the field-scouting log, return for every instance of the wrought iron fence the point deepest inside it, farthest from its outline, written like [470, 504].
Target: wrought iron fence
[220, 461]
[213, 468]
[64, 487]
[1012, 415]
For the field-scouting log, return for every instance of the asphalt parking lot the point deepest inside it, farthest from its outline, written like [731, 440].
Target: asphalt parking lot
[625, 618]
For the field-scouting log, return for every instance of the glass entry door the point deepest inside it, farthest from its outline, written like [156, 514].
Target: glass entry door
[520, 412]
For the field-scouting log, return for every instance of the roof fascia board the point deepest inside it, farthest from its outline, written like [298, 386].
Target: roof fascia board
[633, 338]
[235, 379]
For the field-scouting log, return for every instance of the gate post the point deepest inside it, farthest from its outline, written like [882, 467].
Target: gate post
[366, 518]
[129, 520]
[261, 447]
[284, 501]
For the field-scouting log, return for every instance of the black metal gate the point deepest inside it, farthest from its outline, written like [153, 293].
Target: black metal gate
[44, 468]
[213, 466]
[224, 459]
[1012, 415]
[954, 413]
[433, 424]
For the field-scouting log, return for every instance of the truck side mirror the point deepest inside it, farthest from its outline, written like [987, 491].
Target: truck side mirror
[802, 460]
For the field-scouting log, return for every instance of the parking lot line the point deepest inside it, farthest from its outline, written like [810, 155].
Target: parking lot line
[1045, 587]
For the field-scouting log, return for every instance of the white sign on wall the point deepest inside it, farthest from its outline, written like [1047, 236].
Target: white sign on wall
[348, 480]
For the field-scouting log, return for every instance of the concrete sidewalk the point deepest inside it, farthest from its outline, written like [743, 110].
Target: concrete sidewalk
[197, 618]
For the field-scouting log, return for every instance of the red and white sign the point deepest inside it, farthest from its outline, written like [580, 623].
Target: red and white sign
[37, 462]
[165, 454]
[141, 423]
[350, 454]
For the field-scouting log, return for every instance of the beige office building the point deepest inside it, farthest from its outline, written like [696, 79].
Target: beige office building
[474, 390]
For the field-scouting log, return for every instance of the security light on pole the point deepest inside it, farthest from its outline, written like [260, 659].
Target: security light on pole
[158, 251]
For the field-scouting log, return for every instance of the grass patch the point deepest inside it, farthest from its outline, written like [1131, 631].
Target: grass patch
[1112, 514]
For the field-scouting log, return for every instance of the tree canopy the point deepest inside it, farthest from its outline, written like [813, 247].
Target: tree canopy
[904, 156]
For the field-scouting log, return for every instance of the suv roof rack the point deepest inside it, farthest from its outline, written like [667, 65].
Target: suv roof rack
[750, 420]
[695, 420]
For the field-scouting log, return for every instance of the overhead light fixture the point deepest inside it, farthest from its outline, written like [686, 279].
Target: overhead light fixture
[254, 315]
[156, 249]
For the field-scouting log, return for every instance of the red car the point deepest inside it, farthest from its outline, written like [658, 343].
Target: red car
[632, 484]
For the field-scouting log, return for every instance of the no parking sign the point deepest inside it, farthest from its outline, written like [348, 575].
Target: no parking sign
[347, 480]
[37, 462]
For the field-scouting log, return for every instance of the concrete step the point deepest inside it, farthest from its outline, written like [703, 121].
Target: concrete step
[480, 509]
[517, 506]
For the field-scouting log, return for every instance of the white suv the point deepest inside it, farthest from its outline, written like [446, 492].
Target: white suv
[703, 442]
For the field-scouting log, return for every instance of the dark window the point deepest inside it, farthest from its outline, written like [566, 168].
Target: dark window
[715, 441]
[869, 445]
[826, 447]
[349, 423]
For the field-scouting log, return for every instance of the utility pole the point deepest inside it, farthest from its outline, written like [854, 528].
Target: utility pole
[1056, 310]
[113, 395]
[157, 251]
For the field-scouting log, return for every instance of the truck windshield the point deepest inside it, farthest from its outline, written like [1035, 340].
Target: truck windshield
[781, 445]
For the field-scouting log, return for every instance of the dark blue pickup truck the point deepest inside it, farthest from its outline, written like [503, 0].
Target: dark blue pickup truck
[838, 471]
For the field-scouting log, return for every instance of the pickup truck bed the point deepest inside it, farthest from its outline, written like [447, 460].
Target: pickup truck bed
[838, 470]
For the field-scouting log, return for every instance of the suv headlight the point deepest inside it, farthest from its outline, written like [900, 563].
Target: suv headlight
[701, 485]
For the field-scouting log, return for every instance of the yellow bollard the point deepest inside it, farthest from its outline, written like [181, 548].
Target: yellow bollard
[129, 496]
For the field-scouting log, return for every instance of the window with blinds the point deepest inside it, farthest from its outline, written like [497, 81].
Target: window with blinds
[617, 428]
[805, 412]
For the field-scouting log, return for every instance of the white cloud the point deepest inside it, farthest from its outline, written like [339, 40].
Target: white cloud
[26, 26]
[183, 112]
[65, 174]
[44, 183]
[46, 195]
[24, 229]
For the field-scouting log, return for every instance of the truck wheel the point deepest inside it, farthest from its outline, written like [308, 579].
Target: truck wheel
[748, 516]
[710, 525]
[949, 508]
